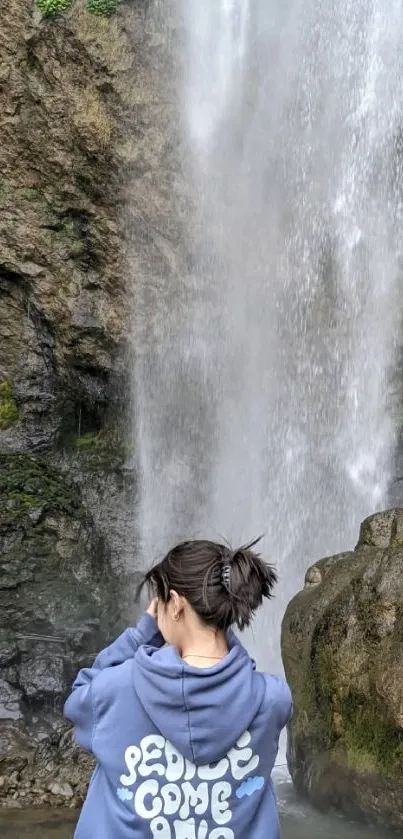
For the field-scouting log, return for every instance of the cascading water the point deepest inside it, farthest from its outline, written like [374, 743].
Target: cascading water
[263, 407]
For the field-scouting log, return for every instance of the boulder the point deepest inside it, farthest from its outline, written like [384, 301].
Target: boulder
[342, 647]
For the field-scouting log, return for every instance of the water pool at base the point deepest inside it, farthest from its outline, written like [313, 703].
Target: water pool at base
[298, 821]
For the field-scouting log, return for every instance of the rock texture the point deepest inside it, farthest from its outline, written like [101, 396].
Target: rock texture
[59, 604]
[342, 644]
[87, 122]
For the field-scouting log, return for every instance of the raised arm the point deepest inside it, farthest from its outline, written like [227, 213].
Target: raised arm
[79, 706]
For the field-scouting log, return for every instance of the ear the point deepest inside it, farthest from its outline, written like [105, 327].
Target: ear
[178, 604]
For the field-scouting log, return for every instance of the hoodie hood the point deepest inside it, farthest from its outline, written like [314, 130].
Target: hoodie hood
[202, 712]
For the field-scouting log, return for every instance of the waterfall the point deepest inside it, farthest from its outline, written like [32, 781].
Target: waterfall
[264, 406]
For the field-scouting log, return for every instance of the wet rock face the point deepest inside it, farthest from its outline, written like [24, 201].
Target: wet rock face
[59, 604]
[90, 170]
[90, 205]
[60, 325]
[342, 645]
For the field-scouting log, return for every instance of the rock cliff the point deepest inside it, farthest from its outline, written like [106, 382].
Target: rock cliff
[342, 644]
[87, 120]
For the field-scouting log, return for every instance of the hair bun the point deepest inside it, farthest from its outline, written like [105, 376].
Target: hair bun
[247, 579]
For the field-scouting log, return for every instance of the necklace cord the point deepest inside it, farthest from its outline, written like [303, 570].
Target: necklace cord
[195, 655]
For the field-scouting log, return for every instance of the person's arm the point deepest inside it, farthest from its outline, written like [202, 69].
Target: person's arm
[79, 706]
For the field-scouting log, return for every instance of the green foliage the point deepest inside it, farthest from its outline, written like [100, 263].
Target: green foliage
[102, 8]
[8, 406]
[49, 8]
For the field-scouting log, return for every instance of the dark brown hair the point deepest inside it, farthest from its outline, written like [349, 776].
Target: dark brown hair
[225, 587]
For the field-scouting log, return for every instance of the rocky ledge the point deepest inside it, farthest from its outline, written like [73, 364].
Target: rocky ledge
[342, 645]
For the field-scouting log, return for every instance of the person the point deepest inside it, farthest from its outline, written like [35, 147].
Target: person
[183, 727]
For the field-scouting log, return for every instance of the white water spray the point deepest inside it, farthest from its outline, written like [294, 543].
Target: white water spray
[263, 404]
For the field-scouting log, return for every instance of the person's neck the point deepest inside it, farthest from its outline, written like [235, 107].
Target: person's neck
[203, 648]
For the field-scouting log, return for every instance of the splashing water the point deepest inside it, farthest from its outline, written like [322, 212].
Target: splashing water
[263, 404]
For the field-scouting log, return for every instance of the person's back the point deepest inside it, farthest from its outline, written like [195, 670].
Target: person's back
[185, 734]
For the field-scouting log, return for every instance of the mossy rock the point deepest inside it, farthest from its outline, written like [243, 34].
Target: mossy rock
[8, 407]
[342, 646]
[27, 482]
[102, 450]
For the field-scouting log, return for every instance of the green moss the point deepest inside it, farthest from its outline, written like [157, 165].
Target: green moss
[322, 685]
[91, 439]
[49, 8]
[369, 739]
[102, 8]
[312, 729]
[102, 449]
[311, 720]
[27, 482]
[77, 249]
[6, 390]
[324, 666]
[22, 499]
[8, 406]
[367, 611]
[360, 760]
[30, 193]
[8, 414]
[366, 740]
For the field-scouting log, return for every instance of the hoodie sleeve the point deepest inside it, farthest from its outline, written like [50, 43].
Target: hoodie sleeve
[279, 699]
[79, 707]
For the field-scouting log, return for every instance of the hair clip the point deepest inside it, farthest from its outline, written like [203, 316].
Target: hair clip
[226, 576]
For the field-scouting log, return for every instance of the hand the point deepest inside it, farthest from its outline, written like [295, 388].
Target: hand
[153, 608]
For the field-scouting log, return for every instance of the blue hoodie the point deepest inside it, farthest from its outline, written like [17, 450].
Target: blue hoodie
[182, 752]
